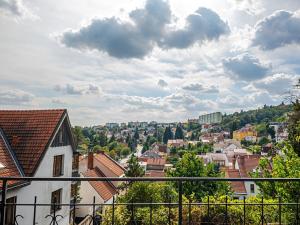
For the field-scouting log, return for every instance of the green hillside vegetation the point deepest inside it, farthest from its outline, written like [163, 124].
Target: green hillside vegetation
[263, 115]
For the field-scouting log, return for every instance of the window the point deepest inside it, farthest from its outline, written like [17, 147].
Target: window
[58, 165]
[56, 200]
[10, 212]
[252, 188]
[63, 136]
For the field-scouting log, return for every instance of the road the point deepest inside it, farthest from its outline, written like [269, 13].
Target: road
[138, 153]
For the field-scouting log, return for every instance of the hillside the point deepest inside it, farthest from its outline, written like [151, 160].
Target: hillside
[266, 114]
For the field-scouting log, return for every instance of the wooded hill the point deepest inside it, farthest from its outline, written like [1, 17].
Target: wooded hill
[266, 114]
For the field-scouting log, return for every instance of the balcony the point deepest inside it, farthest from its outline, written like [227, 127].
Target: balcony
[182, 211]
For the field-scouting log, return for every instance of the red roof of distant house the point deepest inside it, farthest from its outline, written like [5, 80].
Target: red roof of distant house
[247, 164]
[154, 173]
[105, 189]
[156, 161]
[29, 133]
[8, 165]
[111, 164]
[239, 186]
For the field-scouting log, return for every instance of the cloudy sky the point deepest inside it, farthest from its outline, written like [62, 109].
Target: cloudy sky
[123, 60]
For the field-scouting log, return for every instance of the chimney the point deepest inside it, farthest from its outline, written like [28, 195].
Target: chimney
[90, 160]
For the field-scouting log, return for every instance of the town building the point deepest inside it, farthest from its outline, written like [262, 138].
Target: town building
[112, 125]
[97, 165]
[247, 133]
[37, 143]
[211, 118]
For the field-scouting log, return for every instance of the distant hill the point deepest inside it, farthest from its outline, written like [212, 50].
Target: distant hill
[266, 114]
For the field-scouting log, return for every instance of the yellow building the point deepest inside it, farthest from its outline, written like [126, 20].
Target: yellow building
[247, 133]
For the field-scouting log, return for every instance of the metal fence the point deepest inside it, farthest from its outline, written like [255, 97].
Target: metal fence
[181, 211]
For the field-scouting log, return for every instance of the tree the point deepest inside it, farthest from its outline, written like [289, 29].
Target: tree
[263, 141]
[168, 135]
[191, 166]
[134, 168]
[179, 132]
[294, 127]
[96, 148]
[112, 138]
[102, 139]
[136, 135]
[78, 135]
[286, 165]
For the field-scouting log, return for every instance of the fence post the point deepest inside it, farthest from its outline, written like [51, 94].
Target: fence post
[113, 212]
[3, 201]
[34, 210]
[279, 204]
[180, 203]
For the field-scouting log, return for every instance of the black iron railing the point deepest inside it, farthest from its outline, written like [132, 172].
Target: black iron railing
[181, 212]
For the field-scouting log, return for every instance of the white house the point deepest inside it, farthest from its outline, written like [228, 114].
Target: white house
[36, 143]
[97, 165]
[247, 164]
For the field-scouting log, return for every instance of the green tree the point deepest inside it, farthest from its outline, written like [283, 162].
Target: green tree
[102, 139]
[179, 132]
[134, 168]
[78, 135]
[112, 138]
[294, 127]
[168, 135]
[191, 166]
[136, 135]
[286, 165]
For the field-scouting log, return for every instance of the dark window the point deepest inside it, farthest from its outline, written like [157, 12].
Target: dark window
[58, 165]
[62, 137]
[10, 212]
[56, 200]
[252, 188]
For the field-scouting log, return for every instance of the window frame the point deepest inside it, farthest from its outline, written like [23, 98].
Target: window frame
[252, 188]
[58, 203]
[57, 163]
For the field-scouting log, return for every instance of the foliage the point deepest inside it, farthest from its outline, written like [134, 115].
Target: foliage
[266, 114]
[294, 127]
[136, 135]
[263, 141]
[168, 135]
[255, 149]
[179, 132]
[134, 168]
[285, 165]
[191, 166]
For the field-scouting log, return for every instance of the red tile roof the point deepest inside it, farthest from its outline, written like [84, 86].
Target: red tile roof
[247, 164]
[110, 164]
[8, 164]
[156, 161]
[104, 189]
[154, 173]
[29, 133]
[239, 186]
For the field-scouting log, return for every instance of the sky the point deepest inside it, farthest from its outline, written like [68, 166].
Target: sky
[134, 60]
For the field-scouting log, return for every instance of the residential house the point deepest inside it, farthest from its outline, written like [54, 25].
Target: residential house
[238, 187]
[175, 143]
[37, 143]
[98, 165]
[156, 164]
[246, 165]
[247, 133]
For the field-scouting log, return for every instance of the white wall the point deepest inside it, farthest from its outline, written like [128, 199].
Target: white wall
[87, 193]
[248, 189]
[44, 189]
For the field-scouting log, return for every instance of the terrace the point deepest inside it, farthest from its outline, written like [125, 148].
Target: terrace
[182, 211]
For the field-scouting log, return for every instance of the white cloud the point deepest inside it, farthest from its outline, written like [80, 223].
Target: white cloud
[15, 97]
